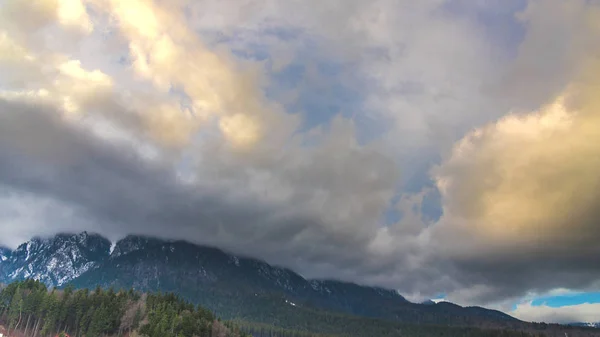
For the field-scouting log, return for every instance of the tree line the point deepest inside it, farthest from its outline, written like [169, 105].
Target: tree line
[34, 310]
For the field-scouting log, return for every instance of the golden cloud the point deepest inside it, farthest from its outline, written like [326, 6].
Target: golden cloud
[167, 53]
[33, 14]
[529, 179]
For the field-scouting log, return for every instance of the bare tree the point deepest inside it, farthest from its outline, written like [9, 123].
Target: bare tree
[218, 329]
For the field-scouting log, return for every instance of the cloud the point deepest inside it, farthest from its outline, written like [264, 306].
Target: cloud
[520, 195]
[290, 198]
[561, 30]
[24, 19]
[585, 313]
[173, 128]
[105, 183]
[166, 52]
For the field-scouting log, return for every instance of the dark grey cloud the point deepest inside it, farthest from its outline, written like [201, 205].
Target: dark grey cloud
[124, 193]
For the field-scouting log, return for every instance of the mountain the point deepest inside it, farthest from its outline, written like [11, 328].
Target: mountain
[4, 254]
[53, 261]
[232, 286]
[589, 325]
[210, 276]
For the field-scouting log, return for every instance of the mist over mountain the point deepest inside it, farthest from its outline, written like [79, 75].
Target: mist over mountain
[237, 287]
[212, 277]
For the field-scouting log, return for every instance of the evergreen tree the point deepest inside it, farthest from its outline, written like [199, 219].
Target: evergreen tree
[29, 307]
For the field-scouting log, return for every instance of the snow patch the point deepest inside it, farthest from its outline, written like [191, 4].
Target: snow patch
[29, 244]
[52, 264]
[15, 273]
[74, 254]
[74, 273]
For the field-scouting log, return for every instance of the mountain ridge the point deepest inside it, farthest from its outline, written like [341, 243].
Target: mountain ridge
[595, 325]
[72, 255]
[212, 277]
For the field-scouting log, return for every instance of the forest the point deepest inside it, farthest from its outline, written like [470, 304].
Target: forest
[31, 309]
[28, 308]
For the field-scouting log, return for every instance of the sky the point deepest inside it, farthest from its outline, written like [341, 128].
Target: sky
[433, 147]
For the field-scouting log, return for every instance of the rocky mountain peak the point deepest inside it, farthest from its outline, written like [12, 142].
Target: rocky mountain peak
[132, 243]
[55, 260]
[5, 254]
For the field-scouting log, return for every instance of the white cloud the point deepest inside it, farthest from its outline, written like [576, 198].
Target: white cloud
[585, 313]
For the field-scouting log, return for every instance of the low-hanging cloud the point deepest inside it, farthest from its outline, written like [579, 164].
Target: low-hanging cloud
[114, 150]
[585, 312]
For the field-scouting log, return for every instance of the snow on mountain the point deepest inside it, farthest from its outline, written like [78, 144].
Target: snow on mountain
[210, 276]
[129, 244]
[54, 261]
[586, 324]
[4, 254]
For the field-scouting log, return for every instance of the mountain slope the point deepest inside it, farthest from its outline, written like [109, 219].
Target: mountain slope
[212, 278]
[201, 273]
[233, 286]
[53, 261]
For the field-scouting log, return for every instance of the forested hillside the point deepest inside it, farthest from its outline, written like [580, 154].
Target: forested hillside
[29, 308]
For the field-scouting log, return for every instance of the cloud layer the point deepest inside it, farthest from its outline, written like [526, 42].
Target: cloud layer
[584, 313]
[201, 121]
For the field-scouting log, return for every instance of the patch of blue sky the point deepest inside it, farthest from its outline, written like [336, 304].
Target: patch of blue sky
[319, 86]
[430, 208]
[567, 299]
[255, 45]
[496, 19]
[185, 102]
[321, 89]
[286, 34]
[419, 178]
[314, 84]
[391, 214]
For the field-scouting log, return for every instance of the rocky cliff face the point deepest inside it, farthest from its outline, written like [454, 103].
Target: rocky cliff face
[54, 261]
